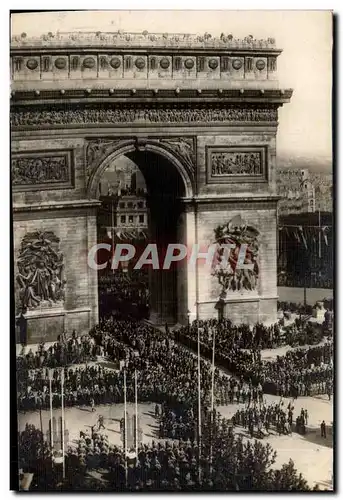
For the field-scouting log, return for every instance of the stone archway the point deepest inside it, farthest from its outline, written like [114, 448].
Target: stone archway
[207, 106]
[169, 182]
[102, 152]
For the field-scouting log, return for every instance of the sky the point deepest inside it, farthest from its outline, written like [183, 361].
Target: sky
[305, 64]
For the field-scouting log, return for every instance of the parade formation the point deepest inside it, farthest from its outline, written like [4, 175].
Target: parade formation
[130, 362]
[156, 349]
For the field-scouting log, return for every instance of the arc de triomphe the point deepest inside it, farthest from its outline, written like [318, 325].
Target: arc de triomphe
[197, 114]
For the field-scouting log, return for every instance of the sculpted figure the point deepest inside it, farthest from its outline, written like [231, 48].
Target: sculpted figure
[41, 270]
[237, 232]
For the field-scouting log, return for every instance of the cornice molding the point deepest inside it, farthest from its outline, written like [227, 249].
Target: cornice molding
[57, 205]
[153, 96]
[121, 39]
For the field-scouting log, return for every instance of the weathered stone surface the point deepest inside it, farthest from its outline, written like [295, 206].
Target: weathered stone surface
[211, 113]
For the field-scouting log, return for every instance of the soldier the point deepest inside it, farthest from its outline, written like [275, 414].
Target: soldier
[92, 405]
[328, 389]
[101, 422]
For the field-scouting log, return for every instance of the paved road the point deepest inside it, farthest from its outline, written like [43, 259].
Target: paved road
[312, 455]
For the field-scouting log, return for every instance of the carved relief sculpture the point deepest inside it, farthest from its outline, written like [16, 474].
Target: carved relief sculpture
[42, 117]
[230, 277]
[236, 164]
[185, 149]
[41, 170]
[26, 170]
[40, 271]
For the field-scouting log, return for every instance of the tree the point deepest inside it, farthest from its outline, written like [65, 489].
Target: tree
[287, 479]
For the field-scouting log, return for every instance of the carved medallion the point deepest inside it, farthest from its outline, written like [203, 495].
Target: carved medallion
[60, 63]
[213, 64]
[237, 64]
[140, 63]
[32, 64]
[40, 278]
[115, 62]
[189, 63]
[164, 63]
[260, 64]
[89, 63]
[227, 264]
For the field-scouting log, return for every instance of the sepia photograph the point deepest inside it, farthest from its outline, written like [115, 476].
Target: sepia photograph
[172, 250]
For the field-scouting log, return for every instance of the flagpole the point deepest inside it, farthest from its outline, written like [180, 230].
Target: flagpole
[62, 407]
[136, 416]
[112, 231]
[212, 394]
[199, 404]
[125, 425]
[51, 430]
[320, 238]
[213, 355]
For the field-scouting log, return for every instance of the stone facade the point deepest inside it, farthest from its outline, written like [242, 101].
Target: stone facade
[194, 111]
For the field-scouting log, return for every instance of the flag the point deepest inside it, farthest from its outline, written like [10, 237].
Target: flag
[325, 230]
[303, 236]
[297, 236]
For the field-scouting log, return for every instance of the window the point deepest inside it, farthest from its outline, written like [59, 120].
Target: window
[129, 205]
[140, 204]
[121, 205]
[130, 219]
[123, 219]
[141, 219]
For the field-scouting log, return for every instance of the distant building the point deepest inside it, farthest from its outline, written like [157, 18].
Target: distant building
[302, 191]
[131, 213]
[124, 216]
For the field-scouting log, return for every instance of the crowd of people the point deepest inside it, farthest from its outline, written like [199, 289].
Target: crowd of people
[298, 373]
[301, 372]
[275, 416]
[126, 293]
[165, 372]
[222, 462]
[229, 335]
[66, 351]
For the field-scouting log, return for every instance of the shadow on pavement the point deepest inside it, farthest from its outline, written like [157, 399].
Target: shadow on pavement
[313, 436]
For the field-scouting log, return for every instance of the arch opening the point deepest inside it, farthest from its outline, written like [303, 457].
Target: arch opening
[141, 194]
